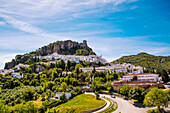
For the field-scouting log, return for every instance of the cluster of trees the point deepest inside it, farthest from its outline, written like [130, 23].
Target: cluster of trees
[22, 97]
[136, 93]
[18, 95]
[155, 97]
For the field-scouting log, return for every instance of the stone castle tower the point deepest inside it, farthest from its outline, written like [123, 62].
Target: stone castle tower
[85, 43]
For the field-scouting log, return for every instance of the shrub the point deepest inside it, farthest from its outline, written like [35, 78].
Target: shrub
[97, 95]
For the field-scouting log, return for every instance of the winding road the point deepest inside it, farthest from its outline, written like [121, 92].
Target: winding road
[124, 106]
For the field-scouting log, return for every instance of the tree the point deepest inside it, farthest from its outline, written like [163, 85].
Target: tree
[66, 68]
[63, 97]
[116, 76]
[94, 70]
[49, 85]
[77, 67]
[64, 86]
[29, 107]
[137, 93]
[165, 76]
[169, 71]
[157, 98]
[61, 64]
[68, 64]
[97, 95]
[54, 74]
[4, 108]
[88, 78]
[96, 85]
[109, 87]
[107, 76]
[77, 72]
[28, 94]
[124, 90]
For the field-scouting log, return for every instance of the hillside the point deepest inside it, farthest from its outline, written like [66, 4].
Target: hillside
[146, 60]
[67, 47]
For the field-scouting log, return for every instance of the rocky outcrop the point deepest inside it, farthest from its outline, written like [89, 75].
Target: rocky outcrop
[9, 65]
[18, 59]
[63, 47]
[37, 68]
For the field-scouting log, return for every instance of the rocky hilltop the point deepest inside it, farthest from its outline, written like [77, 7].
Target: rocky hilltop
[67, 47]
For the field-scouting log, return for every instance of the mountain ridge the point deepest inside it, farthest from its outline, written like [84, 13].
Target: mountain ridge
[146, 60]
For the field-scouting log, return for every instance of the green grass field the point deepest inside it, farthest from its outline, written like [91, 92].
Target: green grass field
[81, 103]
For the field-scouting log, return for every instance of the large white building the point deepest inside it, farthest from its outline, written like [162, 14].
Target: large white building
[142, 77]
[21, 65]
[59, 94]
[17, 75]
[109, 68]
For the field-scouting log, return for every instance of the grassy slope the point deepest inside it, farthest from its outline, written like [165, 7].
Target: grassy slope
[146, 60]
[81, 103]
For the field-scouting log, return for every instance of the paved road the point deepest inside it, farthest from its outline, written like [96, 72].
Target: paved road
[124, 106]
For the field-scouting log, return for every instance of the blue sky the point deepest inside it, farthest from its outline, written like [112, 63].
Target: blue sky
[113, 28]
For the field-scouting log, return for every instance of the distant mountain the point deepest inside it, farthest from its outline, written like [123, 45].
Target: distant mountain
[146, 60]
[67, 47]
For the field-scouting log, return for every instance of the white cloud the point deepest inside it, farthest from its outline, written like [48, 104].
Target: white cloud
[26, 14]
[6, 57]
[2, 23]
[23, 26]
[48, 8]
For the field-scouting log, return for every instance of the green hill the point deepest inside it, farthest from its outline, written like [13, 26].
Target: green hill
[146, 60]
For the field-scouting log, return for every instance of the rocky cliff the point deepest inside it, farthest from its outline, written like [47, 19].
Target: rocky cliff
[67, 47]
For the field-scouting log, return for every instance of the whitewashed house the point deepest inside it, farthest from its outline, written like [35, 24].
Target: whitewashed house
[59, 94]
[21, 65]
[18, 75]
[48, 57]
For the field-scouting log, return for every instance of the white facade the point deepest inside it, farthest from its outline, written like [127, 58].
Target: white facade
[6, 71]
[142, 77]
[21, 65]
[133, 69]
[73, 58]
[18, 75]
[59, 94]
[113, 69]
